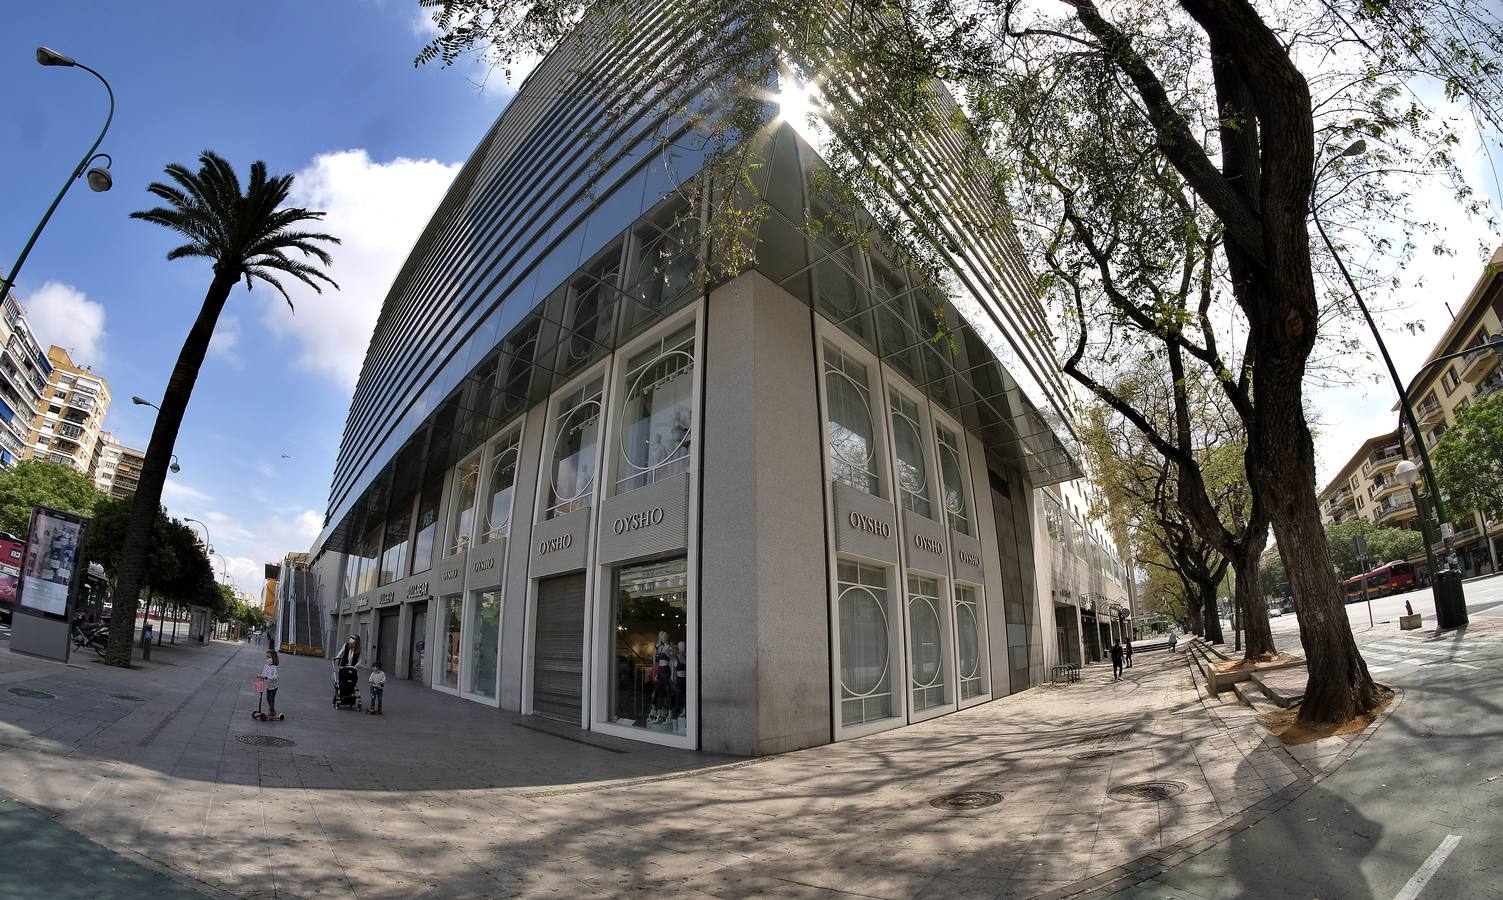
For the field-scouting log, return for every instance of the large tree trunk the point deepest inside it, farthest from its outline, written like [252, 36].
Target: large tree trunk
[1252, 607]
[1211, 613]
[148, 499]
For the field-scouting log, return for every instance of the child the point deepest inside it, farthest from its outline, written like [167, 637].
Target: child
[269, 672]
[377, 682]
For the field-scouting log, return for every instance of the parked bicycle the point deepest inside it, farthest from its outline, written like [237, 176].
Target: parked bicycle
[95, 635]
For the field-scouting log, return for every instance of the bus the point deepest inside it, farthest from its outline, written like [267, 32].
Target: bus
[1392, 578]
[12, 549]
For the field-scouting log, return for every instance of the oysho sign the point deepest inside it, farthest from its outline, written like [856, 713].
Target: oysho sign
[869, 524]
[928, 544]
[483, 565]
[637, 521]
[969, 558]
[552, 545]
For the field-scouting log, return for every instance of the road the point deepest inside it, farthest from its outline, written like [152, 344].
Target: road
[1416, 799]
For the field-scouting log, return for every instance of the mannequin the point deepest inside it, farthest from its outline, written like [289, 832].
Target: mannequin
[680, 683]
[662, 681]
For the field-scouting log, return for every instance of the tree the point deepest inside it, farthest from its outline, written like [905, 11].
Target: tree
[1200, 100]
[1271, 575]
[246, 233]
[1384, 545]
[1469, 459]
[34, 482]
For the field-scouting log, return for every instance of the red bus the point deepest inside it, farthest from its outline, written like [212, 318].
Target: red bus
[11, 550]
[1393, 578]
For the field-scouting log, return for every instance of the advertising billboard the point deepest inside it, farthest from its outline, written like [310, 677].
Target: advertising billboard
[51, 563]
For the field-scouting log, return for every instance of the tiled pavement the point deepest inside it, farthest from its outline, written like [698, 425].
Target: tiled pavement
[443, 797]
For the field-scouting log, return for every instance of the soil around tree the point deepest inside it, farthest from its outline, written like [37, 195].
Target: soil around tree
[1286, 725]
[1268, 661]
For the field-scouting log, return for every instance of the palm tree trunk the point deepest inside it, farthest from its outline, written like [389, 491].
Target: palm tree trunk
[148, 499]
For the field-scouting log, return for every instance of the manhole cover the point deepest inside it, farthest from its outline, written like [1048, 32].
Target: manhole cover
[131, 697]
[1095, 754]
[966, 800]
[33, 693]
[1147, 791]
[264, 740]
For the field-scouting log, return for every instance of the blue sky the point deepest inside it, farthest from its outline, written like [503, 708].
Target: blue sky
[326, 90]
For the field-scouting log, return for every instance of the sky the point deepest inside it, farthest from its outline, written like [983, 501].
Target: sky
[327, 91]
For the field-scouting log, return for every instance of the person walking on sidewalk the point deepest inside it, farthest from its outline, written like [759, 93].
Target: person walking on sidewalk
[1116, 660]
[1127, 652]
[269, 673]
[376, 681]
[1173, 640]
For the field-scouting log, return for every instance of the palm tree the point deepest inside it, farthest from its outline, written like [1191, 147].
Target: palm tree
[246, 234]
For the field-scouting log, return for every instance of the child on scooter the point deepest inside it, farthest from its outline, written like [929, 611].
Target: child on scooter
[376, 681]
[269, 673]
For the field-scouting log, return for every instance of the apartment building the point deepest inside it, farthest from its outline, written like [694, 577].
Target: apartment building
[1365, 487]
[24, 373]
[69, 418]
[1092, 592]
[117, 468]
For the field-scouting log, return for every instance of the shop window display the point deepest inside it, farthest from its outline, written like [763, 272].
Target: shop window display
[577, 431]
[462, 519]
[865, 644]
[453, 614]
[926, 628]
[485, 636]
[848, 422]
[649, 618]
[658, 411]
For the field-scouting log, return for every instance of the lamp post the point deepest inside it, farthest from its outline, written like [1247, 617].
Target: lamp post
[98, 177]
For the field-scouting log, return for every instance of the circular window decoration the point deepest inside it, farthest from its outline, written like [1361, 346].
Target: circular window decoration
[573, 469]
[968, 651]
[910, 446]
[949, 470]
[928, 659]
[655, 424]
[850, 422]
[863, 642]
[503, 472]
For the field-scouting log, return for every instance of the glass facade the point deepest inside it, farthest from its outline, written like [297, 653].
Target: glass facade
[657, 413]
[427, 526]
[849, 423]
[576, 435]
[649, 619]
[484, 634]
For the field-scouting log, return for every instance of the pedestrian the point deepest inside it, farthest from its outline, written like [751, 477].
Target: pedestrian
[349, 655]
[1116, 660]
[1173, 640]
[269, 674]
[1128, 652]
[376, 681]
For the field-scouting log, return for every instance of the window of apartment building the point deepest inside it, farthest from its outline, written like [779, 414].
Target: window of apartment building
[1450, 380]
[849, 422]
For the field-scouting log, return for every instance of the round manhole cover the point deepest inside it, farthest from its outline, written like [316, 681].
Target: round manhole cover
[966, 800]
[131, 697]
[264, 740]
[1095, 754]
[1147, 791]
[33, 693]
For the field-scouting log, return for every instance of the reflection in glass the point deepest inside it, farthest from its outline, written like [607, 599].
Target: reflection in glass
[577, 433]
[427, 526]
[394, 557]
[658, 411]
[664, 266]
[462, 517]
[849, 422]
[968, 638]
[453, 609]
[499, 483]
[865, 644]
[649, 617]
[952, 482]
[485, 636]
[926, 634]
[908, 445]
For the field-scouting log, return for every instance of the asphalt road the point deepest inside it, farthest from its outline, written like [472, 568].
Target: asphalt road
[1412, 814]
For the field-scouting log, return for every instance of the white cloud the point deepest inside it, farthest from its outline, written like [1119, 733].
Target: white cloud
[175, 489]
[377, 210]
[226, 340]
[63, 315]
[243, 571]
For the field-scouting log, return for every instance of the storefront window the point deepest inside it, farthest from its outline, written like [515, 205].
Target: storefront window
[485, 635]
[394, 557]
[453, 614]
[968, 639]
[649, 618]
[577, 431]
[926, 631]
[953, 482]
[499, 483]
[349, 583]
[370, 549]
[849, 422]
[462, 514]
[427, 526]
[657, 413]
[865, 644]
[908, 444]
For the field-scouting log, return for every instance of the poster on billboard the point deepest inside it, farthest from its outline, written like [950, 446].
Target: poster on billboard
[51, 562]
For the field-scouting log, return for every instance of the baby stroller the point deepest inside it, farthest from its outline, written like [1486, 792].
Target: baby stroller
[346, 688]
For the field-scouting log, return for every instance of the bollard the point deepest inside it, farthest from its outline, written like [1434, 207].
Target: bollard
[146, 641]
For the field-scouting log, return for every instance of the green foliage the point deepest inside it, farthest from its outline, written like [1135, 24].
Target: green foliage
[1384, 545]
[1469, 459]
[34, 482]
[1272, 577]
[177, 568]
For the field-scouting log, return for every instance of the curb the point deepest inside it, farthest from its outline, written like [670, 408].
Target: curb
[1152, 865]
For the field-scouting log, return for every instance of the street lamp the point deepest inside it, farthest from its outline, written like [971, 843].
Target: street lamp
[98, 177]
[174, 468]
[140, 402]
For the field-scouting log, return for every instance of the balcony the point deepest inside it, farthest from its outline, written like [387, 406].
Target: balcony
[1430, 411]
[1489, 385]
[77, 400]
[61, 459]
[1385, 488]
[70, 431]
[1394, 509]
[1479, 365]
[1383, 459]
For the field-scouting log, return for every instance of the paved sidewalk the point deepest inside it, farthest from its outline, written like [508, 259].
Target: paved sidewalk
[443, 797]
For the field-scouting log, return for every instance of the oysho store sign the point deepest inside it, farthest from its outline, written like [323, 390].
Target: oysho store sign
[869, 524]
[638, 521]
[648, 520]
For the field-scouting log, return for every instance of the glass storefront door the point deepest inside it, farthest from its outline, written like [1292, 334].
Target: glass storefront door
[928, 651]
[482, 637]
[417, 655]
[650, 662]
[452, 610]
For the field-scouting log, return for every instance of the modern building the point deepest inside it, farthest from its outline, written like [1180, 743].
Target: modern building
[1365, 485]
[117, 468]
[748, 514]
[69, 418]
[1092, 591]
[24, 371]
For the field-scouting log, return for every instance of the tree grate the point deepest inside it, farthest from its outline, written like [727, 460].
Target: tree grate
[33, 694]
[265, 740]
[966, 800]
[1095, 754]
[1147, 791]
[130, 697]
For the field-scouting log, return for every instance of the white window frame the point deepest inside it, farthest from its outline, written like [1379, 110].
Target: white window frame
[468, 608]
[827, 333]
[984, 643]
[511, 432]
[544, 495]
[615, 464]
[939, 418]
[944, 607]
[928, 440]
[455, 543]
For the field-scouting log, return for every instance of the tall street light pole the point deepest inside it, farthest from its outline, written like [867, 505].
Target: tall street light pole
[98, 176]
